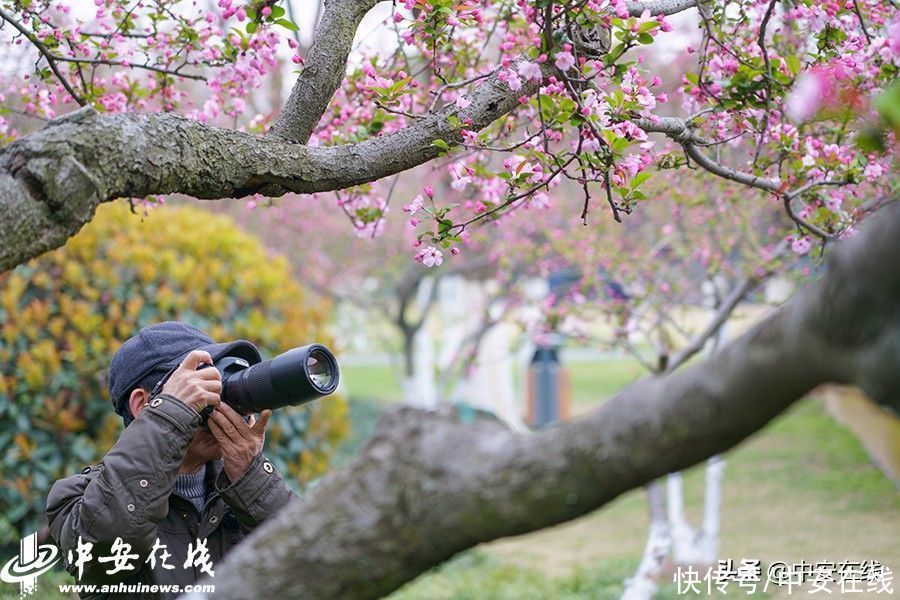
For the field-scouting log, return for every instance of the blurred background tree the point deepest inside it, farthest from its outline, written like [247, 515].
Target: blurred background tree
[65, 314]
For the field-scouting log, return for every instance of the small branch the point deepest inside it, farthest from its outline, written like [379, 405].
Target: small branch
[862, 21]
[323, 72]
[121, 63]
[395, 111]
[761, 42]
[722, 314]
[680, 131]
[51, 59]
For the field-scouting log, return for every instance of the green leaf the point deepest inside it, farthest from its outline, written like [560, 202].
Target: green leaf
[645, 38]
[251, 27]
[888, 105]
[871, 139]
[439, 143]
[793, 63]
[287, 24]
[639, 179]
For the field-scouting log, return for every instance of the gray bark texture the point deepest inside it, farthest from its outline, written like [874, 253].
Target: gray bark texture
[427, 486]
[52, 181]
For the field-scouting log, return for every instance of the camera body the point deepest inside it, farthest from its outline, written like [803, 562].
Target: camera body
[295, 377]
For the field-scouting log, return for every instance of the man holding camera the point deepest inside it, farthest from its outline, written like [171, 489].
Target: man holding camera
[171, 497]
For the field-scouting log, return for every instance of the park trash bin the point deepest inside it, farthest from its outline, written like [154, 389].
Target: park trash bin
[548, 385]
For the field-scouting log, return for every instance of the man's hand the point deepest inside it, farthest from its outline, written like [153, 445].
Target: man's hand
[196, 388]
[240, 441]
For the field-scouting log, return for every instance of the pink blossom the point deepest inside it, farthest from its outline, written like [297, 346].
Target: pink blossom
[801, 245]
[460, 182]
[530, 71]
[430, 256]
[590, 144]
[805, 97]
[874, 170]
[469, 136]
[539, 200]
[894, 39]
[834, 201]
[564, 61]
[415, 205]
[510, 78]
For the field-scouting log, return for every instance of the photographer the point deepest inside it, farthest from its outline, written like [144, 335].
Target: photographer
[170, 498]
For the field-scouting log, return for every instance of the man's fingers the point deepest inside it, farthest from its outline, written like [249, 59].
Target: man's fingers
[218, 418]
[218, 432]
[212, 399]
[209, 374]
[195, 358]
[236, 420]
[211, 385]
[259, 427]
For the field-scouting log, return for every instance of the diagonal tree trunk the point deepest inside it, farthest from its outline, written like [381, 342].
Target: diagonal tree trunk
[427, 486]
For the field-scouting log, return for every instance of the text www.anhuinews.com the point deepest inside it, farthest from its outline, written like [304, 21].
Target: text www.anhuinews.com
[135, 588]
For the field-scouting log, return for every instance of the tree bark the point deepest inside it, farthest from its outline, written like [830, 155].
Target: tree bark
[427, 486]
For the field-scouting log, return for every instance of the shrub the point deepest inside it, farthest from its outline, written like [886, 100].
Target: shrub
[64, 314]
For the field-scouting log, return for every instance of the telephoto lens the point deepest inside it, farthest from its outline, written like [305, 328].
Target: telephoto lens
[298, 376]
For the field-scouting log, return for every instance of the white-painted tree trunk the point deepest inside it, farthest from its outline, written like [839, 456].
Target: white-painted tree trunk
[459, 305]
[687, 544]
[690, 545]
[490, 384]
[419, 387]
[643, 585]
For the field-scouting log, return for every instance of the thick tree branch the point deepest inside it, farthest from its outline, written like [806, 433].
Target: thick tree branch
[52, 181]
[427, 486]
[323, 71]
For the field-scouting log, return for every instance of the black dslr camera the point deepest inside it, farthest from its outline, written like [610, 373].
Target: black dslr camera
[295, 377]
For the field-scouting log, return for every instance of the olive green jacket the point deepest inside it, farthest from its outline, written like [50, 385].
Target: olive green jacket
[129, 496]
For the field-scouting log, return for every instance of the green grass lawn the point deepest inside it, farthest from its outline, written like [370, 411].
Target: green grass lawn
[594, 381]
[379, 383]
